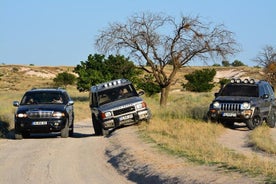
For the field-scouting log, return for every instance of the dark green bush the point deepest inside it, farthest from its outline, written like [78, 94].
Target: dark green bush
[64, 79]
[200, 80]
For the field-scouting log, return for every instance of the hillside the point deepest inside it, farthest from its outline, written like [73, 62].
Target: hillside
[20, 77]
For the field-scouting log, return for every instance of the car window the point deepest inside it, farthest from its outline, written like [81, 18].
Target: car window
[115, 94]
[42, 98]
[270, 90]
[240, 90]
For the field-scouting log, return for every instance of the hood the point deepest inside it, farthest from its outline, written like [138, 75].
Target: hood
[41, 107]
[120, 103]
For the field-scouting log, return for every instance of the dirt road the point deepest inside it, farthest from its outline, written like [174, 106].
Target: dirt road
[55, 160]
[120, 158]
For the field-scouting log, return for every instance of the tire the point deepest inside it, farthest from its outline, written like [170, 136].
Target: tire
[18, 136]
[253, 122]
[271, 118]
[17, 133]
[105, 132]
[96, 126]
[71, 130]
[65, 131]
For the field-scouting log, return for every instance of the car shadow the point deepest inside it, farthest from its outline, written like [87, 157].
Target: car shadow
[238, 127]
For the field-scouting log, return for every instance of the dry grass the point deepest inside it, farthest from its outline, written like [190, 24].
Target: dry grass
[178, 128]
[174, 130]
[261, 139]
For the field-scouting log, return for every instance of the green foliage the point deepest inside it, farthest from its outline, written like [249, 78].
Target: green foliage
[237, 63]
[98, 69]
[200, 80]
[148, 85]
[223, 81]
[225, 63]
[64, 79]
[216, 64]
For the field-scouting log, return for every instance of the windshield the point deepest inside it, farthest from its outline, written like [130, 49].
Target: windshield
[115, 94]
[240, 90]
[42, 98]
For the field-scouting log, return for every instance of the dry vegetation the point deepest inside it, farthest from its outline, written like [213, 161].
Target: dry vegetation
[179, 128]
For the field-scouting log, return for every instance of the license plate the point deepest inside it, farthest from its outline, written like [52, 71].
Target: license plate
[229, 114]
[126, 117]
[39, 123]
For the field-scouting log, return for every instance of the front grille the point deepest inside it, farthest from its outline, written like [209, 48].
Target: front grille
[40, 114]
[124, 110]
[230, 107]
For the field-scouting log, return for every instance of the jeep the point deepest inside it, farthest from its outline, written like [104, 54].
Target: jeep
[44, 111]
[114, 104]
[247, 101]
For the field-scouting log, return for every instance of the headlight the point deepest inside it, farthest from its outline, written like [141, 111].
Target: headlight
[21, 115]
[106, 115]
[245, 105]
[58, 114]
[216, 104]
[141, 105]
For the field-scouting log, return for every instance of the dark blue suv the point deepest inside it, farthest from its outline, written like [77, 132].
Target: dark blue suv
[247, 101]
[44, 111]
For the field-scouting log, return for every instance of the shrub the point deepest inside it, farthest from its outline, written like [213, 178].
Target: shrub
[200, 80]
[64, 79]
[148, 85]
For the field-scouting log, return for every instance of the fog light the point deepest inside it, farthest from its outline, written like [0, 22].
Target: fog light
[247, 113]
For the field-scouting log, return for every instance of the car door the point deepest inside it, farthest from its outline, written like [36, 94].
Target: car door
[266, 99]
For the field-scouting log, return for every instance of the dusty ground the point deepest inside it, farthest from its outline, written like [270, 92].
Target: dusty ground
[122, 157]
[139, 161]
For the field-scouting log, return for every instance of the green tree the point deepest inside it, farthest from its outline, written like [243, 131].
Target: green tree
[64, 79]
[200, 80]
[237, 63]
[98, 69]
[225, 63]
[148, 84]
[185, 40]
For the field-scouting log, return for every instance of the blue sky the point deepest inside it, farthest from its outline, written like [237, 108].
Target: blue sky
[62, 32]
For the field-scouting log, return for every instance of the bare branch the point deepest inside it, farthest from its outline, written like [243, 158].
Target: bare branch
[155, 41]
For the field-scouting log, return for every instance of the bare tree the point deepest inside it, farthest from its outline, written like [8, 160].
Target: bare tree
[266, 56]
[267, 59]
[157, 40]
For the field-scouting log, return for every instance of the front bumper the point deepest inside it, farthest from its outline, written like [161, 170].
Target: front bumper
[39, 125]
[127, 119]
[238, 116]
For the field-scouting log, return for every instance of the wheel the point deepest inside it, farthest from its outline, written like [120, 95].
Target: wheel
[253, 122]
[96, 126]
[105, 132]
[271, 118]
[17, 133]
[71, 130]
[18, 136]
[65, 131]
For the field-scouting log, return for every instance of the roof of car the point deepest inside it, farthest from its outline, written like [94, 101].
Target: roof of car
[47, 89]
[110, 85]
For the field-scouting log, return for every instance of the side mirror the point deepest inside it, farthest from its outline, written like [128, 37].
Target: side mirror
[140, 93]
[216, 94]
[71, 102]
[15, 103]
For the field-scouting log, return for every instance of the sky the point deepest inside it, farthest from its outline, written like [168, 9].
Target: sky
[63, 32]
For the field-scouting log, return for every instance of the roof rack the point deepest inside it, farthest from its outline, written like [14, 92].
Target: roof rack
[57, 88]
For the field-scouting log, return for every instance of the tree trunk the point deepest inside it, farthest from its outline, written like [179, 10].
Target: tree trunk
[164, 95]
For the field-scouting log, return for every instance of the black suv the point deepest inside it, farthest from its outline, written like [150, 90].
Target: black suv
[114, 104]
[248, 101]
[44, 111]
